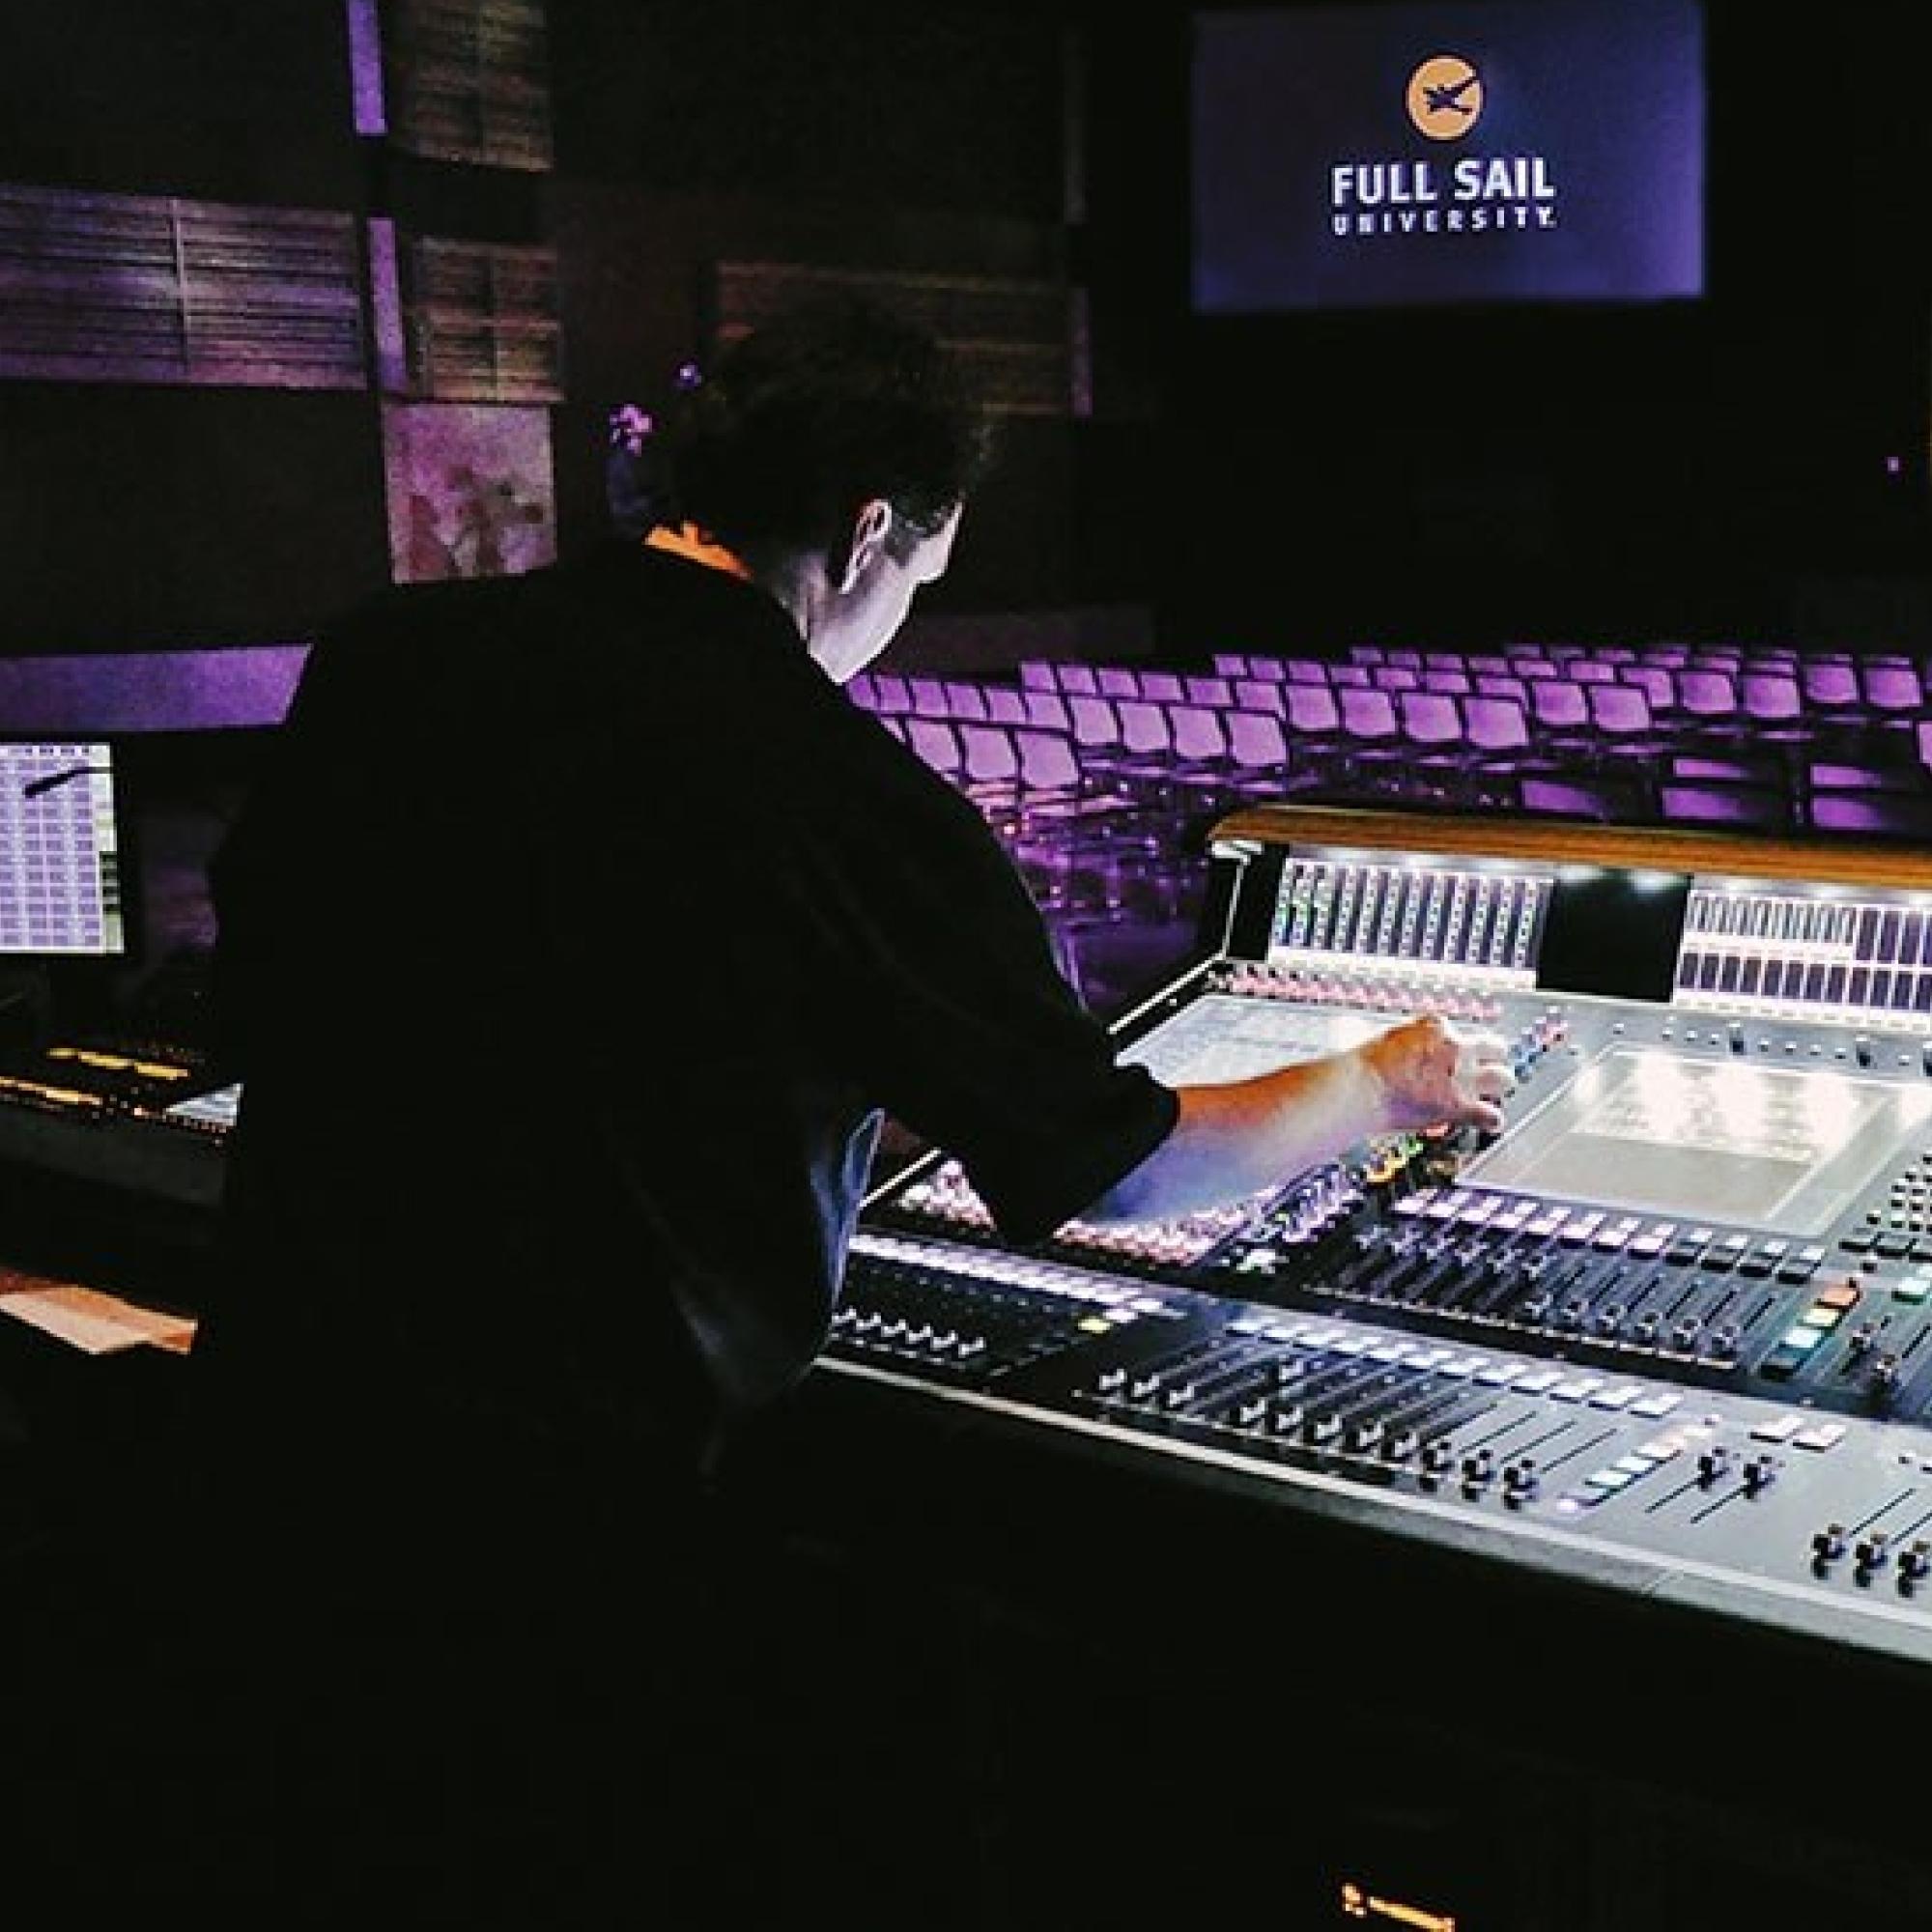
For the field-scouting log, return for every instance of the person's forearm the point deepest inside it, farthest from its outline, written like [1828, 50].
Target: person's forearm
[1238, 1139]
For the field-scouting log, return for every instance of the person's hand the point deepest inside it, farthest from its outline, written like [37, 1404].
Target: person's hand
[1431, 1076]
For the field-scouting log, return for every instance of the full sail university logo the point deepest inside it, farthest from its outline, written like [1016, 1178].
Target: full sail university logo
[1473, 194]
[1445, 98]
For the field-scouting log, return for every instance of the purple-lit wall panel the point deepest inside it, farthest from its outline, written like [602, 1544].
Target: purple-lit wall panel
[469, 489]
[246, 687]
[365, 67]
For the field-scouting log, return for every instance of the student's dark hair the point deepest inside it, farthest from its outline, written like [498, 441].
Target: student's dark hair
[836, 403]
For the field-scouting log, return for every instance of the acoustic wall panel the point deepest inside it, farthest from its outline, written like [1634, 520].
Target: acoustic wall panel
[468, 81]
[123, 288]
[482, 321]
[1019, 335]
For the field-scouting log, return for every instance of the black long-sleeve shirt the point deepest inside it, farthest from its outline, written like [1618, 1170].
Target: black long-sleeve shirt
[570, 954]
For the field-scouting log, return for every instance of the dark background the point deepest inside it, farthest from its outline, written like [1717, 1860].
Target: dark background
[1717, 468]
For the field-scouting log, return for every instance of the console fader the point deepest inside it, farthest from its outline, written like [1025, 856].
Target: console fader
[1673, 1323]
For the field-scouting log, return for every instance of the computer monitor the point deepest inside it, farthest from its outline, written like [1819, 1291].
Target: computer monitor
[62, 873]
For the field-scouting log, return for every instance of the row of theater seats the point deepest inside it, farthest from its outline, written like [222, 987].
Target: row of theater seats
[1475, 746]
[1766, 685]
[1104, 796]
[1709, 687]
[1104, 778]
[1760, 733]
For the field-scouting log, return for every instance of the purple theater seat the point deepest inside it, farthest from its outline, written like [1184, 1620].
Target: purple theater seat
[1610, 797]
[1763, 808]
[1880, 814]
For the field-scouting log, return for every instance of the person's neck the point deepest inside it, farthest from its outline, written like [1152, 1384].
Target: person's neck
[687, 540]
[789, 584]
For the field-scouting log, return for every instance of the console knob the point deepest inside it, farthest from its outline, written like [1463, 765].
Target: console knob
[1521, 1481]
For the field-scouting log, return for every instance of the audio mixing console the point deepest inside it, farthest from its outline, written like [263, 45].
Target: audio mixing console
[1673, 1324]
[137, 1117]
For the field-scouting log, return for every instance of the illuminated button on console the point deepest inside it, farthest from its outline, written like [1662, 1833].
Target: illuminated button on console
[1650, 1244]
[1578, 1389]
[1662, 1403]
[1791, 1353]
[1820, 1435]
[1580, 1228]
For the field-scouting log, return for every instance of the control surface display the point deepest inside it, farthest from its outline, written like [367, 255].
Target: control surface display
[1654, 1132]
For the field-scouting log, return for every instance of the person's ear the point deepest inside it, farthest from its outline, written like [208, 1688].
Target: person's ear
[870, 528]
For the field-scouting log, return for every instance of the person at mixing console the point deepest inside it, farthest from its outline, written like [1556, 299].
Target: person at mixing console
[570, 954]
